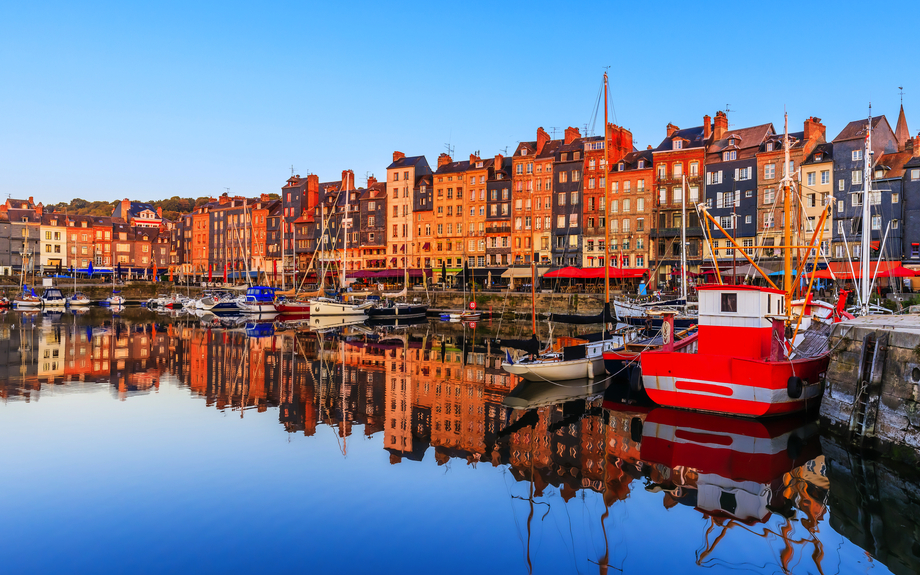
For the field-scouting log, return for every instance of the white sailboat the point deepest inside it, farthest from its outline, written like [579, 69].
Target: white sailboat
[324, 306]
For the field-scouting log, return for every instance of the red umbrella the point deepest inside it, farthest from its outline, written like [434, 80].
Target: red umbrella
[210, 272]
[225, 272]
[275, 272]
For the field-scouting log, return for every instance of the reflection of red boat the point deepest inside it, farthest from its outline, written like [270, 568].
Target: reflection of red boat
[741, 365]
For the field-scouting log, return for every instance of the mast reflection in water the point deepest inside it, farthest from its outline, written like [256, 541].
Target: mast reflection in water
[407, 450]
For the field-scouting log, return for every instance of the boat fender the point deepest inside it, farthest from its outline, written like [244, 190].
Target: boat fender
[590, 369]
[635, 379]
[794, 387]
[635, 430]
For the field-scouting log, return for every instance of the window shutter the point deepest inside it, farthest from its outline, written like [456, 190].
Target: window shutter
[737, 174]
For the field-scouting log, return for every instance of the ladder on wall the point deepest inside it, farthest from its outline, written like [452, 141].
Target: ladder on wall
[863, 417]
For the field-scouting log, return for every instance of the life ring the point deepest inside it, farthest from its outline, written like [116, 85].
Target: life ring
[794, 387]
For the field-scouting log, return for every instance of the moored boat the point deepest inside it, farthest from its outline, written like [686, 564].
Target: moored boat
[623, 365]
[571, 358]
[259, 299]
[392, 309]
[53, 297]
[79, 299]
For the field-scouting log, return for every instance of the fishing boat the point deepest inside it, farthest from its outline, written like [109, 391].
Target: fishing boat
[79, 299]
[623, 364]
[259, 299]
[53, 297]
[743, 363]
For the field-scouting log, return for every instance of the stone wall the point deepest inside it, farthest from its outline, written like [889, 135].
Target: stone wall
[891, 371]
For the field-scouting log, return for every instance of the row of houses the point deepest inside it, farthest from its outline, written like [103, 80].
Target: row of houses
[545, 203]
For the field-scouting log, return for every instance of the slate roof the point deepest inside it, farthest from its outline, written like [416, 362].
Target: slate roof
[405, 162]
[23, 216]
[694, 137]
[134, 210]
[913, 163]
[857, 128]
[631, 161]
[796, 140]
[745, 138]
[454, 167]
[826, 151]
[379, 187]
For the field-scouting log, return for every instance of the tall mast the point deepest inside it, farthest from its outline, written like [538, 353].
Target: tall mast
[345, 242]
[606, 206]
[683, 240]
[787, 230]
[866, 224]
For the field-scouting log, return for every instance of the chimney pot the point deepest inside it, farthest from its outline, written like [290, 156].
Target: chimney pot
[720, 126]
[670, 129]
[444, 159]
[571, 134]
[707, 127]
[542, 139]
[398, 156]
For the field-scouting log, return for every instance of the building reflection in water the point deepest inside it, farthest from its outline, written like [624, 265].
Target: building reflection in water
[440, 391]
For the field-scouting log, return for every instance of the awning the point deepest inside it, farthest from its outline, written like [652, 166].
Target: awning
[516, 273]
[741, 269]
[360, 274]
[400, 273]
[874, 245]
[566, 272]
[841, 271]
[597, 273]
[426, 246]
[484, 272]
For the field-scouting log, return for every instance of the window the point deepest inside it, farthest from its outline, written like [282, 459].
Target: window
[810, 179]
[677, 194]
[894, 224]
[825, 176]
[895, 197]
[573, 221]
[662, 195]
[678, 144]
[915, 174]
[560, 199]
[590, 183]
[769, 171]
[876, 222]
[560, 221]
[840, 184]
[725, 222]
[662, 171]
[857, 155]
[856, 177]
[768, 196]
[694, 194]
[626, 205]
[856, 199]
[748, 219]
[727, 156]
[574, 198]
[614, 206]
[563, 177]
[678, 169]
[730, 302]
[768, 220]
[576, 175]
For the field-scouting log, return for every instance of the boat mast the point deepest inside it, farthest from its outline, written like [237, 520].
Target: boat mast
[345, 227]
[787, 230]
[866, 227]
[683, 240]
[606, 208]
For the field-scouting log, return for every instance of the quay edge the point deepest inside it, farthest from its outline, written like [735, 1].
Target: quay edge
[872, 394]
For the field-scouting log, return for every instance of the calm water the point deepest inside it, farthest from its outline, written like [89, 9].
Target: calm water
[147, 444]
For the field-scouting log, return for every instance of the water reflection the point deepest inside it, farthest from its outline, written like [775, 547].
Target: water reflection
[594, 473]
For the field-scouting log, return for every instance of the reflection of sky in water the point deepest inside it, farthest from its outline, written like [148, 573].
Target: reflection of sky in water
[161, 482]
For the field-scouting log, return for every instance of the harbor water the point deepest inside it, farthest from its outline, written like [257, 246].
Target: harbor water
[145, 443]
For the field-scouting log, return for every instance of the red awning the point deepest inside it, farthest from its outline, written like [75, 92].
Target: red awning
[427, 246]
[596, 273]
[841, 271]
[874, 245]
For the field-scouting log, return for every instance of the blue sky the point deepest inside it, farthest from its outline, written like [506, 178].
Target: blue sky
[148, 101]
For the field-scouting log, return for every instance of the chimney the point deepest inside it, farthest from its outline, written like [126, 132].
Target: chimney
[312, 193]
[398, 156]
[915, 145]
[264, 198]
[621, 142]
[348, 180]
[31, 201]
[125, 208]
[371, 180]
[670, 129]
[474, 158]
[160, 212]
[720, 126]
[707, 127]
[571, 134]
[39, 209]
[499, 160]
[443, 160]
[649, 147]
[814, 130]
[224, 199]
[542, 139]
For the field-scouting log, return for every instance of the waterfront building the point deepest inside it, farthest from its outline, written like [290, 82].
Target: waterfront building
[501, 239]
[403, 176]
[849, 174]
[122, 243]
[80, 242]
[420, 250]
[450, 188]
[817, 189]
[138, 214]
[532, 179]
[731, 190]
[477, 222]
[53, 231]
[372, 238]
[681, 153]
[631, 180]
[771, 170]
[626, 194]
[911, 199]
[567, 195]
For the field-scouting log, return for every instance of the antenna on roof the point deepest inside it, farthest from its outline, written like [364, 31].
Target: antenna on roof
[554, 128]
[228, 193]
[292, 170]
[505, 152]
[450, 149]
[901, 88]
[728, 111]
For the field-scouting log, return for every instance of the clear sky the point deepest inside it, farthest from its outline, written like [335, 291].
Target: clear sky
[151, 100]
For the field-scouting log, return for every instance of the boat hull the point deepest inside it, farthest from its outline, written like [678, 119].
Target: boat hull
[398, 311]
[732, 385]
[328, 308]
[587, 368]
[293, 308]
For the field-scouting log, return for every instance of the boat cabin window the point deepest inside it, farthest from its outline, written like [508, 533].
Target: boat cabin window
[730, 302]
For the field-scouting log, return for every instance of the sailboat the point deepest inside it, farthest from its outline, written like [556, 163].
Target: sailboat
[743, 363]
[324, 306]
[27, 299]
[576, 358]
[390, 310]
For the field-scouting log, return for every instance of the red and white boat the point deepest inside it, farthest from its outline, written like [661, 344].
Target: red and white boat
[293, 307]
[743, 364]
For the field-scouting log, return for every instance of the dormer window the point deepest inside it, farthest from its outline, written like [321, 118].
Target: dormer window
[731, 141]
[621, 166]
[523, 151]
[678, 144]
[769, 146]
[478, 164]
[641, 164]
